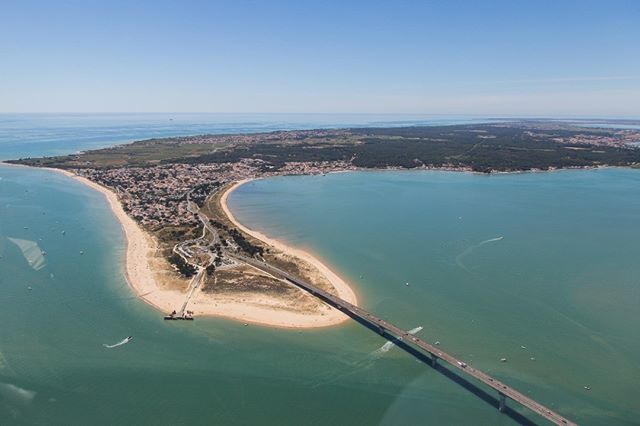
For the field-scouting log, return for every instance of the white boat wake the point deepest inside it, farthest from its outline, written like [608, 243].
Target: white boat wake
[472, 248]
[362, 364]
[390, 344]
[31, 252]
[12, 393]
[120, 343]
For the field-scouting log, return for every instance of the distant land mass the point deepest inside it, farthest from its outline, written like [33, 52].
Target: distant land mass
[185, 248]
[510, 146]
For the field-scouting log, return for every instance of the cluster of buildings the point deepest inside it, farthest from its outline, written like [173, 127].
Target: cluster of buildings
[620, 139]
[156, 196]
[313, 168]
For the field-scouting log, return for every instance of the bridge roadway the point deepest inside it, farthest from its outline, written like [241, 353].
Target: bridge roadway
[503, 390]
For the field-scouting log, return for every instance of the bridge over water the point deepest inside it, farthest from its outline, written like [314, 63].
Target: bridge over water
[414, 345]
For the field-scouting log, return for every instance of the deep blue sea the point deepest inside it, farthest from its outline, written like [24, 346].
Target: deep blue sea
[547, 261]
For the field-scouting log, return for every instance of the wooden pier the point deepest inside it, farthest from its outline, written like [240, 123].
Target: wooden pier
[176, 318]
[183, 314]
[385, 328]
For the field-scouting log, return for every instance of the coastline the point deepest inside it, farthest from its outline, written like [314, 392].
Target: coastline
[140, 247]
[344, 290]
[143, 267]
[141, 250]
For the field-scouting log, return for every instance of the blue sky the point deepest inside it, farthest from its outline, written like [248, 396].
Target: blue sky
[449, 57]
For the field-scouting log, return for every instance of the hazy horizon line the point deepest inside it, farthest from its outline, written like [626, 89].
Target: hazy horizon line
[487, 115]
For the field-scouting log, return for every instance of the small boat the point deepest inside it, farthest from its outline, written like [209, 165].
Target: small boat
[407, 284]
[503, 360]
[120, 343]
[437, 343]
[81, 252]
[587, 387]
[523, 347]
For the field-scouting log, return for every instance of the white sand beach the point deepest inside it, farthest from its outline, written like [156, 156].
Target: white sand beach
[146, 274]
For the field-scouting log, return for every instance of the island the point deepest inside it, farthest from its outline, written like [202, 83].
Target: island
[187, 255]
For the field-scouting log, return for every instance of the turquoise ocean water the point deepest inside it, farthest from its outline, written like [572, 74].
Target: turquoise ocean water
[542, 260]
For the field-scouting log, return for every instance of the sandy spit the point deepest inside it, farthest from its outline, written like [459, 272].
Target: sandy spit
[344, 290]
[141, 249]
[148, 284]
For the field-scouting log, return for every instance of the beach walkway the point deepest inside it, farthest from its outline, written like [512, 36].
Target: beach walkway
[195, 283]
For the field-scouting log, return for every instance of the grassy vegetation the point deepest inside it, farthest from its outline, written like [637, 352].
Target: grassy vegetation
[245, 280]
[226, 230]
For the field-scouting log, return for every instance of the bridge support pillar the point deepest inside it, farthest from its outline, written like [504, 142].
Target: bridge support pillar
[502, 404]
[434, 361]
[381, 331]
